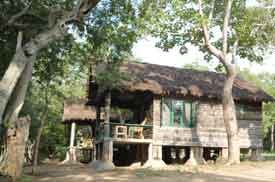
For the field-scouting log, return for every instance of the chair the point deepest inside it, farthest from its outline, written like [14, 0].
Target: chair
[120, 131]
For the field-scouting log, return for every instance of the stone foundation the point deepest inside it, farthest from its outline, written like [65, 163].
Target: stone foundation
[256, 155]
[196, 156]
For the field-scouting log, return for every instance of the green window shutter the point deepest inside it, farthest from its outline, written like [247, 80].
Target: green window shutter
[172, 114]
[182, 113]
[161, 112]
[191, 115]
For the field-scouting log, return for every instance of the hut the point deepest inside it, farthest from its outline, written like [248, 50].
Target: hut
[78, 113]
[169, 115]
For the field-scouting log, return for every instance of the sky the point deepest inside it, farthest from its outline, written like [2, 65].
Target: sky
[146, 51]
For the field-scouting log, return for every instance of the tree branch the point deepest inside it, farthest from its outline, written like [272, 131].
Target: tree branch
[27, 54]
[211, 12]
[225, 26]
[19, 41]
[18, 15]
[82, 8]
[212, 49]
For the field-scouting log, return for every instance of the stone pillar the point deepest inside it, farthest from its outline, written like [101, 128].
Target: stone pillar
[72, 136]
[196, 156]
[223, 155]
[107, 115]
[155, 157]
[105, 161]
[72, 151]
[71, 154]
[97, 123]
[157, 152]
[156, 115]
[107, 150]
[150, 152]
[256, 154]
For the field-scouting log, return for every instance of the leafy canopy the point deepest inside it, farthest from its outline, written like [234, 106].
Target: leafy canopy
[178, 23]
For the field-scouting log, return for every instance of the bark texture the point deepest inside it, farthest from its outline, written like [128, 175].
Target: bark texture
[11, 76]
[26, 53]
[272, 138]
[12, 164]
[13, 156]
[230, 120]
[227, 59]
[15, 81]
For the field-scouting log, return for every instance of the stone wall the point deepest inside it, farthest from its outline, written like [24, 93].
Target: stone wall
[209, 130]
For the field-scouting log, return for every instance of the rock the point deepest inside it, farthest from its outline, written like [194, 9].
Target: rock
[135, 165]
[155, 164]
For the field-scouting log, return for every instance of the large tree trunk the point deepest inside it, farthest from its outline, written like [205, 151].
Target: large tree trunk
[20, 59]
[230, 120]
[272, 138]
[27, 53]
[17, 99]
[15, 81]
[11, 76]
[228, 60]
[12, 111]
[12, 164]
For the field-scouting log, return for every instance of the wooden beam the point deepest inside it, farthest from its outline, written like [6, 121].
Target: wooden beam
[107, 115]
[72, 136]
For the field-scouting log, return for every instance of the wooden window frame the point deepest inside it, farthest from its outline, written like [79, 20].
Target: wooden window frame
[193, 112]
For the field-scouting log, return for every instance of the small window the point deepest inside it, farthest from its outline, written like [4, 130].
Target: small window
[178, 113]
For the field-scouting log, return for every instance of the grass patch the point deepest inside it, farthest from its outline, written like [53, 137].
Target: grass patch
[25, 178]
[269, 155]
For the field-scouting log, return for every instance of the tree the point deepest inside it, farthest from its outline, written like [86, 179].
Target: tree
[225, 30]
[267, 82]
[14, 84]
[109, 30]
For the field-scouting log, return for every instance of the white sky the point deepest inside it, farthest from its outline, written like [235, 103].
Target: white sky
[146, 51]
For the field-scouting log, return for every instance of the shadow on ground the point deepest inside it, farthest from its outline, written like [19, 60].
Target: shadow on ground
[54, 173]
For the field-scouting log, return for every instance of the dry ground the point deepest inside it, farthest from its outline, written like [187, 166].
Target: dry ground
[245, 172]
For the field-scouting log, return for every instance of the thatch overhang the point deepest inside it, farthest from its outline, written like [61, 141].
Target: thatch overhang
[78, 111]
[171, 81]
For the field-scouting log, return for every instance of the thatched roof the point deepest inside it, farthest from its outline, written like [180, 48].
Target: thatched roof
[77, 110]
[165, 80]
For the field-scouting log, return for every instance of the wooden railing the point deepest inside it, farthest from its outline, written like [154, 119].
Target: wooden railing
[131, 131]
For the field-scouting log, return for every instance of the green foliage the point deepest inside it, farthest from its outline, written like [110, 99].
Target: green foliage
[178, 23]
[266, 81]
[25, 178]
[61, 69]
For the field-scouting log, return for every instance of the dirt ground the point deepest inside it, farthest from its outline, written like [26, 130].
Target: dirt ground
[245, 172]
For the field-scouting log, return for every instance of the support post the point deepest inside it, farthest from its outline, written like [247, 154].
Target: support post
[107, 115]
[105, 161]
[256, 154]
[223, 155]
[108, 150]
[196, 156]
[71, 154]
[150, 152]
[157, 152]
[72, 150]
[97, 123]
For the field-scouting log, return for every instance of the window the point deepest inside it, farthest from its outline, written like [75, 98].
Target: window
[178, 113]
